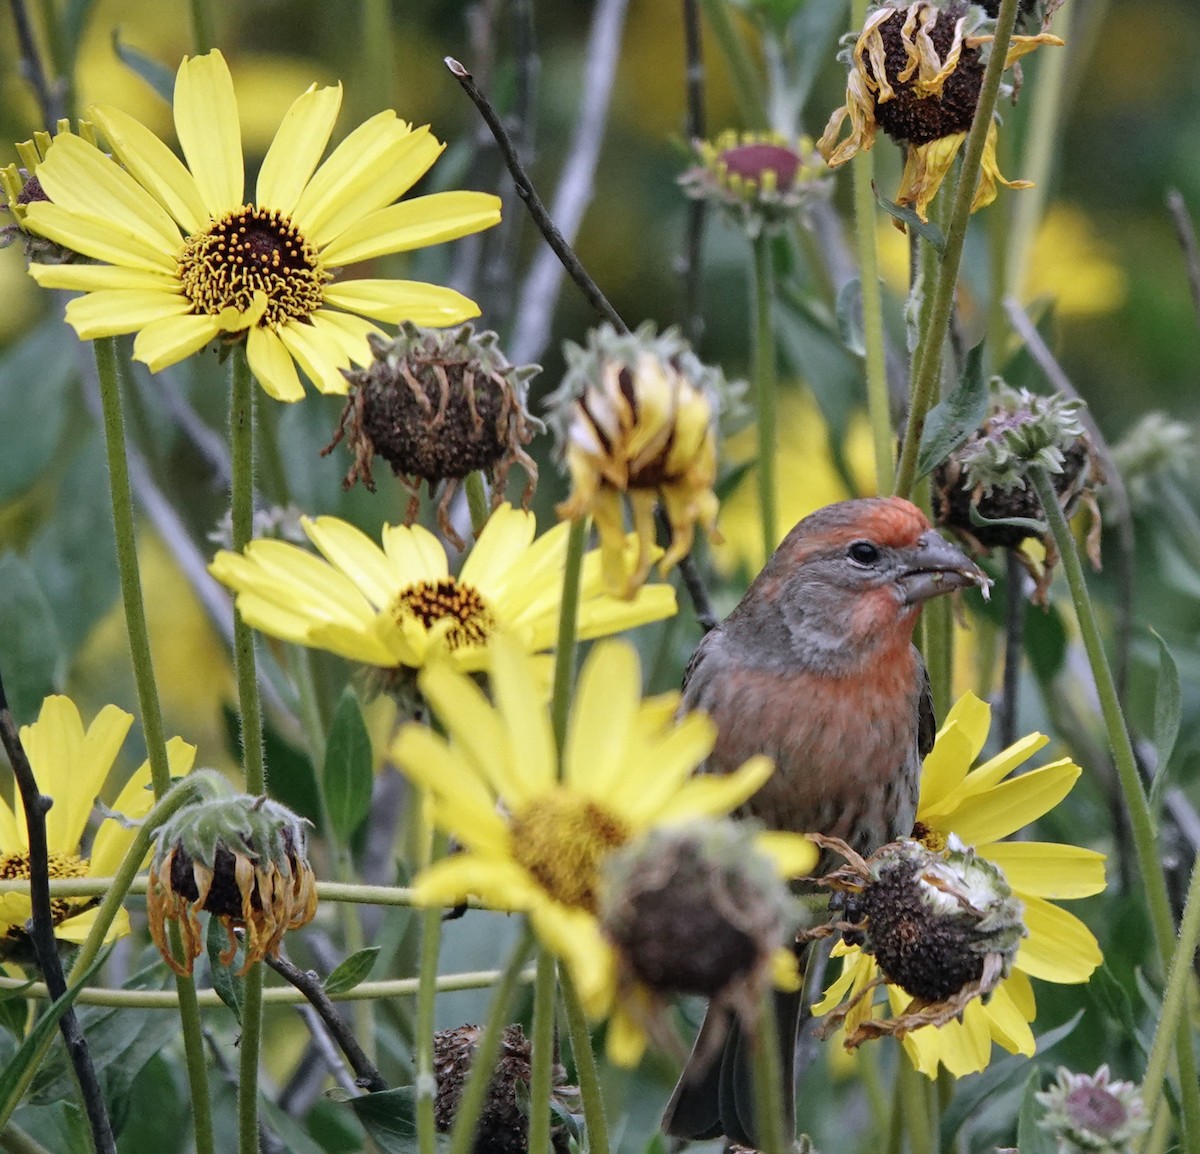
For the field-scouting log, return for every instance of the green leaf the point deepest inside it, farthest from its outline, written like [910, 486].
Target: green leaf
[350, 971]
[951, 422]
[1031, 1138]
[850, 317]
[1045, 642]
[1168, 709]
[160, 78]
[814, 31]
[32, 432]
[230, 988]
[296, 1139]
[389, 1119]
[14, 1010]
[909, 219]
[348, 765]
[1034, 528]
[30, 646]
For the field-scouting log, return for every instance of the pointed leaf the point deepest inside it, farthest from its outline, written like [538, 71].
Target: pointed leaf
[1168, 709]
[850, 316]
[951, 422]
[230, 988]
[160, 78]
[352, 970]
[389, 1118]
[909, 219]
[1031, 1138]
[348, 776]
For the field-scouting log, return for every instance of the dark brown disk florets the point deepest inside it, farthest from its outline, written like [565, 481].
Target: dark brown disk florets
[437, 406]
[916, 119]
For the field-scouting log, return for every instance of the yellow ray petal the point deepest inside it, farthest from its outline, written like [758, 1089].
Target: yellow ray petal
[154, 166]
[78, 177]
[206, 122]
[1046, 870]
[656, 774]
[602, 715]
[169, 341]
[715, 794]
[101, 239]
[624, 1041]
[501, 545]
[415, 223]
[793, 854]
[111, 312]
[1009, 806]
[297, 147]
[272, 365]
[958, 744]
[602, 615]
[354, 554]
[320, 359]
[90, 277]
[1060, 948]
[347, 331]
[402, 300]
[996, 769]
[415, 553]
[500, 884]
[575, 937]
[514, 685]
[962, 1047]
[1007, 1024]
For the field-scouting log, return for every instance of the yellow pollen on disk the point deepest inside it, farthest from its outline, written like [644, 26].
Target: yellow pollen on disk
[253, 250]
[562, 840]
[15, 867]
[431, 602]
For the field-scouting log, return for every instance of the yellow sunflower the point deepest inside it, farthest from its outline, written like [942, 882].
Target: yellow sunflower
[398, 605]
[535, 843]
[186, 257]
[916, 72]
[983, 806]
[71, 765]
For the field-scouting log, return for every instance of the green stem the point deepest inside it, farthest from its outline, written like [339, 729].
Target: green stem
[1140, 818]
[929, 352]
[568, 629]
[483, 1062]
[433, 845]
[747, 90]
[768, 1079]
[14, 1140]
[477, 501]
[202, 26]
[914, 1104]
[585, 1068]
[241, 452]
[1172, 1018]
[125, 533]
[939, 652]
[878, 404]
[765, 385]
[545, 990]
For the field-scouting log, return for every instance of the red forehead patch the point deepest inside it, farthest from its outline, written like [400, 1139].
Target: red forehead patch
[888, 521]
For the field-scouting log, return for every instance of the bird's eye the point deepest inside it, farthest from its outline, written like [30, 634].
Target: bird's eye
[863, 553]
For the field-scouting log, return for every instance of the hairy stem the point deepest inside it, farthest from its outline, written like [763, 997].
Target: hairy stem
[585, 1068]
[765, 387]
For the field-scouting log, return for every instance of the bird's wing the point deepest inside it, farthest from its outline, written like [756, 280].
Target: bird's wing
[926, 719]
[708, 642]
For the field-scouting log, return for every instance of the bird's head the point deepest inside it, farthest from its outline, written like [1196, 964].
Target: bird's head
[851, 578]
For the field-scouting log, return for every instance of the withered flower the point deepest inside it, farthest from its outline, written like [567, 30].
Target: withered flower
[436, 405]
[1092, 1113]
[916, 72]
[637, 415]
[21, 187]
[241, 859]
[980, 491]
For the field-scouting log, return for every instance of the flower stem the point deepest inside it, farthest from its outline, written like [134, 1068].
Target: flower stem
[765, 384]
[1141, 821]
[568, 629]
[878, 405]
[928, 359]
[747, 90]
[470, 1105]
[241, 452]
[585, 1068]
[545, 993]
[914, 1104]
[108, 374]
[477, 501]
[14, 1140]
[431, 942]
[202, 26]
[768, 1090]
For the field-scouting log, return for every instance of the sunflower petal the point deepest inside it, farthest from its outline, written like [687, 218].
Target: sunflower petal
[168, 341]
[1047, 870]
[1060, 948]
[602, 715]
[111, 312]
[272, 365]
[1010, 805]
[297, 147]
[206, 122]
[349, 550]
[402, 300]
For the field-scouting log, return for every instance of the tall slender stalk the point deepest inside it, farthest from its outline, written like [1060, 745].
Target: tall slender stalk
[747, 89]
[426, 1080]
[585, 1068]
[241, 451]
[1136, 803]
[568, 630]
[108, 374]
[928, 358]
[768, 1082]
[765, 386]
[541, 1074]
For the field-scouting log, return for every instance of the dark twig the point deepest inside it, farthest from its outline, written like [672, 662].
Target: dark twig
[692, 581]
[694, 129]
[1014, 637]
[49, 101]
[40, 929]
[310, 986]
[1187, 241]
[1045, 360]
[529, 195]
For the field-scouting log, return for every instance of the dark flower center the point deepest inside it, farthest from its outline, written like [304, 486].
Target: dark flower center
[752, 162]
[1094, 1108]
[433, 602]
[15, 866]
[252, 250]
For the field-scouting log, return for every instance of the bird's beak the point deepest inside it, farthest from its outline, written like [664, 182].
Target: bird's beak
[934, 566]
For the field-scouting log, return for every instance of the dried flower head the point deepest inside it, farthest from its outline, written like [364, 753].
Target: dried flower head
[761, 179]
[916, 71]
[981, 493]
[636, 415]
[437, 405]
[943, 925]
[504, 1122]
[241, 859]
[1090, 1114]
[697, 909]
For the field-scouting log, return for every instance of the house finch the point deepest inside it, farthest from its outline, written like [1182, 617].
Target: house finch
[816, 668]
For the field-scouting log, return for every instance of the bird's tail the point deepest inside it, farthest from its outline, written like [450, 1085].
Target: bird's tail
[715, 1092]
